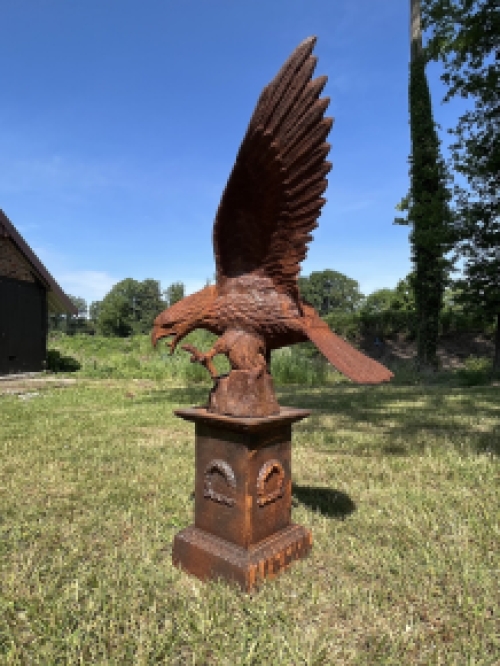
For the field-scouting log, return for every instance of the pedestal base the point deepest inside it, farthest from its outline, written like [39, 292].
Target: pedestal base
[242, 528]
[209, 557]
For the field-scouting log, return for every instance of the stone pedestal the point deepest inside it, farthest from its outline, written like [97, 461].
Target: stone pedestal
[242, 530]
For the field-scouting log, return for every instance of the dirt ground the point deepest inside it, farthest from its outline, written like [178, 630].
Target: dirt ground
[24, 385]
[28, 385]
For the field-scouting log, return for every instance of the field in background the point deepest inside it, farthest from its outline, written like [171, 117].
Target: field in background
[96, 356]
[466, 361]
[399, 485]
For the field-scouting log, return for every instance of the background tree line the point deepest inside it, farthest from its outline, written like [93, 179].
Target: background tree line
[131, 306]
[448, 220]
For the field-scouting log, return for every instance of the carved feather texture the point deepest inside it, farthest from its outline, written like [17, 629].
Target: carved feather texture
[267, 213]
[273, 196]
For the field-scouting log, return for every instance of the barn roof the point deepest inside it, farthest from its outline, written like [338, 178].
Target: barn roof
[56, 298]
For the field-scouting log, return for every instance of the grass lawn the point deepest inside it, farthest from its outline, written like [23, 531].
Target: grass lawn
[399, 484]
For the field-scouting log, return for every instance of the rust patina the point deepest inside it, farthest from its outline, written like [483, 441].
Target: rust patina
[243, 530]
[264, 222]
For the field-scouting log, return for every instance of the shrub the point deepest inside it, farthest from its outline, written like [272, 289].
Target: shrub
[345, 324]
[476, 371]
[293, 365]
[58, 363]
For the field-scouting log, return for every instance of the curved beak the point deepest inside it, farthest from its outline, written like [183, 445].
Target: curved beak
[159, 332]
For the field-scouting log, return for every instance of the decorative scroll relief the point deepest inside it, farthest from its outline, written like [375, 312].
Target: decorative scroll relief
[226, 471]
[268, 468]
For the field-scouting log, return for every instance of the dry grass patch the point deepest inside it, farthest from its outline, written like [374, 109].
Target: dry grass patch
[398, 484]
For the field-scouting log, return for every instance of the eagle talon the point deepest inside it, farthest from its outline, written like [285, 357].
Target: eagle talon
[199, 357]
[172, 344]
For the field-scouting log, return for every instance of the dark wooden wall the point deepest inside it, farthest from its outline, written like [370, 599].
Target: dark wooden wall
[23, 326]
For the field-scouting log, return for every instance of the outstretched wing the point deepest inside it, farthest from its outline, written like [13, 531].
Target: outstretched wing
[273, 196]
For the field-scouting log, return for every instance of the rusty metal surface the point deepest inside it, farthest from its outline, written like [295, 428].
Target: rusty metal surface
[209, 558]
[348, 360]
[242, 528]
[241, 393]
[267, 212]
[287, 415]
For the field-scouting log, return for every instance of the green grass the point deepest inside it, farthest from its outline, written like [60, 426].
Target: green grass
[399, 485]
[134, 357]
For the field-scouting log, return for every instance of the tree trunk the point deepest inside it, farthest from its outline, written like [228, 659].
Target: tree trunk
[496, 360]
[415, 29]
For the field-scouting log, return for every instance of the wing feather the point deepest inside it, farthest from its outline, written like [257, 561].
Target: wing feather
[274, 194]
[293, 152]
[343, 356]
[295, 96]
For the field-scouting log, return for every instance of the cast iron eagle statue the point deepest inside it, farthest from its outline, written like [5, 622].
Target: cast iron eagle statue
[264, 222]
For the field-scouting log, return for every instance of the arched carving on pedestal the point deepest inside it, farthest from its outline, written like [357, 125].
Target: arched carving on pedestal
[267, 469]
[225, 470]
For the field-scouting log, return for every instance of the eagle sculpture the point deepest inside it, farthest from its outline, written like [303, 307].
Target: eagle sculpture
[263, 225]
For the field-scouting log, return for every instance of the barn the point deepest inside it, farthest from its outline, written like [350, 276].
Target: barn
[28, 293]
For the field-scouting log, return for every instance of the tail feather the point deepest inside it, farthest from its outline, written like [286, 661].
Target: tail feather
[348, 360]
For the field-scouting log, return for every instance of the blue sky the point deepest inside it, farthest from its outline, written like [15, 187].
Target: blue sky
[120, 121]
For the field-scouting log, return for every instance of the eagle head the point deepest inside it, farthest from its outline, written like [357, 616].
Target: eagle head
[182, 317]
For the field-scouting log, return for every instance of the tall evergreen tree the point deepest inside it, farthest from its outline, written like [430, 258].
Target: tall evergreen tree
[465, 36]
[427, 204]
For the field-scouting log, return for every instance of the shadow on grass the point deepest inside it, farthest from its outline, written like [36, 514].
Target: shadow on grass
[442, 415]
[329, 502]
[395, 450]
[429, 414]
[485, 443]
